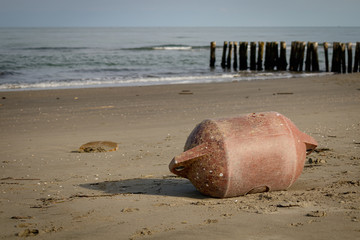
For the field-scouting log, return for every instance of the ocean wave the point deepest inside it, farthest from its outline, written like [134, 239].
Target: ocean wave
[106, 82]
[8, 73]
[171, 47]
[113, 70]
[54, 48]
[152, 80]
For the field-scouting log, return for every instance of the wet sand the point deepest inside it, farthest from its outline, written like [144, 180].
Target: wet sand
[51, 191]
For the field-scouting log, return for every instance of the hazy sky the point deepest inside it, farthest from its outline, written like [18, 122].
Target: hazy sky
[179, 13]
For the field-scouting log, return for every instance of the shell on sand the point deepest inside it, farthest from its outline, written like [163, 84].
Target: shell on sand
[99, 146]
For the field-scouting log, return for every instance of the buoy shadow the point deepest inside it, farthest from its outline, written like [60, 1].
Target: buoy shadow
[176, 187]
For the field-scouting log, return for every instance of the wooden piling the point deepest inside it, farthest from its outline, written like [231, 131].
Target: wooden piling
[271, 57]
[335, 60]
[326, 46]
[243, 55]
[315, 57]
[246, 55]
[297, 56]
[301, 52]
[308, 61]
[349, 51]
[253, 56]
[282, 61]
[357, 57]
[260, 56]
[235, 64]
[292, 56]
[342, 54]
[223, 59]
[228, 62]
[267, 63]
[275, 55]
[212, 54]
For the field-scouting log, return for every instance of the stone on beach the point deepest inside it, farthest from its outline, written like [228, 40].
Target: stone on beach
[99, 146]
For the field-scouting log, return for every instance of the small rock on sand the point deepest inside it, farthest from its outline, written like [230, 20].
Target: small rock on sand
[316, 214]
[28, 232]
[99, 146]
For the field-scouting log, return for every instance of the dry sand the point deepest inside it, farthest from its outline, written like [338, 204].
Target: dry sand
[51, 191]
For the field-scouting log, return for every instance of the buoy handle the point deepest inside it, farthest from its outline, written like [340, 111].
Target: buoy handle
[179, 165]
[310, 143]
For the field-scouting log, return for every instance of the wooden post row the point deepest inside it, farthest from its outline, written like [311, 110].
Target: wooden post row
[274, 61]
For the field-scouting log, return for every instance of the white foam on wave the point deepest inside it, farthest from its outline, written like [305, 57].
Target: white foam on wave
[173, 48]
[120, 82]
[104, 82]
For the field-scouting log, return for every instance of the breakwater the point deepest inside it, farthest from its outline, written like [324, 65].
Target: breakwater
[272, 56]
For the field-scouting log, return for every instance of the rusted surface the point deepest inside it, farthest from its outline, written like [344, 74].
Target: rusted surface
[248, 154]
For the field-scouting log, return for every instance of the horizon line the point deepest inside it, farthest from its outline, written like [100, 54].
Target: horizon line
[176, 26]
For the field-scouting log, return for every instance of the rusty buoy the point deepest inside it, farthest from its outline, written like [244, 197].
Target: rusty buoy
[251, 153]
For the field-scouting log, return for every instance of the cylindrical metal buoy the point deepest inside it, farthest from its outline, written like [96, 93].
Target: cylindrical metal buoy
[252, 153]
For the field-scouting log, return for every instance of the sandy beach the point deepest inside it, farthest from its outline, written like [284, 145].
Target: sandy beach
[51, 191]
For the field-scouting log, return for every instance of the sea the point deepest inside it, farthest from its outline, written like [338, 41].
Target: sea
[62, 58]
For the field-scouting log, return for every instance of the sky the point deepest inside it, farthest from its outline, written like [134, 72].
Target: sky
[192, 13]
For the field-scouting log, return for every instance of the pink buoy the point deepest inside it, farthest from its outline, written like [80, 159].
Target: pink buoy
[252, 153]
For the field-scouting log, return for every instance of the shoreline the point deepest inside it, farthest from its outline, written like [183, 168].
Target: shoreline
[51, 191]
[224, 78]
